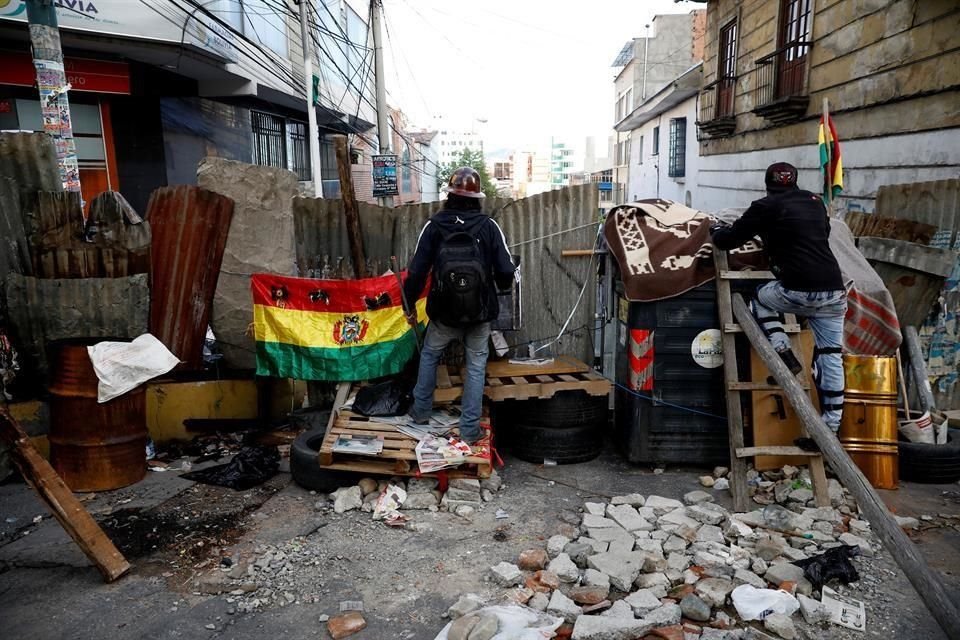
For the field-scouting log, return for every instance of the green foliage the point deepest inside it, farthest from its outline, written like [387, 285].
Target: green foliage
[469, 158]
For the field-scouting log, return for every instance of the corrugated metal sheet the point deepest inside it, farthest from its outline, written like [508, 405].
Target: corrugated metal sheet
[936, 203]
[30, 160]
[539, 228]
[14, 252]
[189, 227]
[42, 310]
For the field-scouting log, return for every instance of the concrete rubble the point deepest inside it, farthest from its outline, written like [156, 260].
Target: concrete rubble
[654, 565]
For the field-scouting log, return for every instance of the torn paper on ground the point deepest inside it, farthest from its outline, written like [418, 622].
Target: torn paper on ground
[124, 366]
[845, 612]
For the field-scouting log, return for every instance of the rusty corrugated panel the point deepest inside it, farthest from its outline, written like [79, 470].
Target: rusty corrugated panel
[44, 310]
[539, 227]
[14, 250]
[189, 227]
[30, 160]
[936, 203]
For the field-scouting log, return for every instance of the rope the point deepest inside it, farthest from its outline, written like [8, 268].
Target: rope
[555, 233]
[655, 402]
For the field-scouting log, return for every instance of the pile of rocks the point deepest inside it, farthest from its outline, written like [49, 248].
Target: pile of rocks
[659, 566]
[463, 496]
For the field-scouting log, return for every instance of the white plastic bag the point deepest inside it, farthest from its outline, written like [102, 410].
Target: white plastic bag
[756, 604]
[516, 623]
[919, 430]
[124, 366]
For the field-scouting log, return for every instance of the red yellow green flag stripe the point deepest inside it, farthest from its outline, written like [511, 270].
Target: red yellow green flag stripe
[334, 330]
[831, 163]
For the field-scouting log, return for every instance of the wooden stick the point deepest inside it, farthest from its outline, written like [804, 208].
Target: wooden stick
[351, 211]
[576, 253]
[904, 552]
[62, 503]
[919, 369]
[903, 388]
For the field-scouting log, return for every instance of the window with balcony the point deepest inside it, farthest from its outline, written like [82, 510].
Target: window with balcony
[781, 88]
[677, 167]
[717, 114]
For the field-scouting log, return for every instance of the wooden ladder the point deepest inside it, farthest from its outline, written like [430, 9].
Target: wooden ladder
[734, 387]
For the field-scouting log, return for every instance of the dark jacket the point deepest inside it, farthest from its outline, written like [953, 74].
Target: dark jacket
[795, 230]
[493, 248]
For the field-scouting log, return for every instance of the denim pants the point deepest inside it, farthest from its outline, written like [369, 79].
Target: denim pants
[476, 339]
[825, 311]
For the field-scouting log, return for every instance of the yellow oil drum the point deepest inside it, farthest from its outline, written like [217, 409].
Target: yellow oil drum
[868, 430]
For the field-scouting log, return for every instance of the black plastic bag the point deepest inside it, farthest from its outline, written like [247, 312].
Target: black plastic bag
[831, 564]
[390, 398]
[252, 466]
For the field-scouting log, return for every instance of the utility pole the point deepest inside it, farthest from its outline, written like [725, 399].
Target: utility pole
[52, 83]
[646, 47]
[313, 134]
[383, 128]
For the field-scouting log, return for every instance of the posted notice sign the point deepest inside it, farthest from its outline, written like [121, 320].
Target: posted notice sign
[385, 176]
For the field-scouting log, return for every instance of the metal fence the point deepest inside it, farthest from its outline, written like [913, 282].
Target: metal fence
[538, 229]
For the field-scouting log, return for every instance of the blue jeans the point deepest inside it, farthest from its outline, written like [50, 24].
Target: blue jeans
[476, 339]
[825, 311]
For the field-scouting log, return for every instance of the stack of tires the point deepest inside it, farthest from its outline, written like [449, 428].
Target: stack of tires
[566, 428]
[931, 463]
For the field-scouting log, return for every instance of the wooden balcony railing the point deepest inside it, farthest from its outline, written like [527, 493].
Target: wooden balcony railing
[716, 116]
[781, 92]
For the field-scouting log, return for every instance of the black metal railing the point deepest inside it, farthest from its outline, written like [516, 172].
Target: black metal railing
[782, 74]
[716, 100]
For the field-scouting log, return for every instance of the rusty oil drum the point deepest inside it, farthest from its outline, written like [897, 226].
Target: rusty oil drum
[868, 430]
[93, 446]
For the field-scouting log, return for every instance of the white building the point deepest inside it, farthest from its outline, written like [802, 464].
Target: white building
[454, 138]
[664, 158]
[565, 160]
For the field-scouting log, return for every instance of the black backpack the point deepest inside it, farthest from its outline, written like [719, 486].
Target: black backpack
[460, 281]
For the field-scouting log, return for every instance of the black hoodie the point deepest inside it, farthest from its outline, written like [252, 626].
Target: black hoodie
[493, 248]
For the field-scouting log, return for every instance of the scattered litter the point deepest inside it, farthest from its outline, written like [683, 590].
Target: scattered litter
[37, 519]
[547, 462]
[501, 514]
[532, 362]
[845, 612]
[358, 444]
[551, 483]
[390, 398]
[756, 604]
[351, 605]
[435, 453]
[123, 366]
[251, 467]
[832, 563]
[388, 504]
[513, 621]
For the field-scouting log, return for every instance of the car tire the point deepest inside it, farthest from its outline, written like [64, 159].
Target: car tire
[305, 467]
[931, 463]
[534, 443]
[565, 410]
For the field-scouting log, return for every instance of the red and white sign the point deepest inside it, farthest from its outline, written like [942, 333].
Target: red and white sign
[640, 358]
[83, 74]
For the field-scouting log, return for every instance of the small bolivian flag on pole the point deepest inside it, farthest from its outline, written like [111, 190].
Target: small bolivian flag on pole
[830, 161]
[334, 330]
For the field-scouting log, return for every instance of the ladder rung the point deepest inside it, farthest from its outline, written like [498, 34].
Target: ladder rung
[733, 327]
[747, 275]
[749, 452]
[760, 386]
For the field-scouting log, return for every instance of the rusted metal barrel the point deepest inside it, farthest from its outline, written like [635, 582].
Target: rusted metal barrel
[868, 430]
[93, 446]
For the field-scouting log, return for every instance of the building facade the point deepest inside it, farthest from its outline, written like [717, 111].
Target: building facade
[564, 162]
[157, 85]
[888, 70]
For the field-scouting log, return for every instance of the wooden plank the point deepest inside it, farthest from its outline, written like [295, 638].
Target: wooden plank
[545, 379]
[758, 386]
[749, 452]
[818, 478]
[560, 364]
[738, 467]
[351, 212]
[726, 274]
[64, 506]
[443, 377]
[567, 378]
[904, 552]
[518, 380]
[918, 369]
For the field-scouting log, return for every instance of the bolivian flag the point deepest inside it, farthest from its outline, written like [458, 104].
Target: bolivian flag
[830, 162]
[335, 330]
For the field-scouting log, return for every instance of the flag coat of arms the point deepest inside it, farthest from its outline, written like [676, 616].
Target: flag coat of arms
[334, 330]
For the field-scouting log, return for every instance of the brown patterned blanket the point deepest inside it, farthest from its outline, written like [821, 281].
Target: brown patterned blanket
[663, 249]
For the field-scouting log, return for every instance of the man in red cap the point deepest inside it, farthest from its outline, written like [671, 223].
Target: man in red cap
[466, 253]
[795, 229]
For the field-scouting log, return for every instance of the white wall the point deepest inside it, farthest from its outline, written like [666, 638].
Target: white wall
[649, 178]
[734, 180]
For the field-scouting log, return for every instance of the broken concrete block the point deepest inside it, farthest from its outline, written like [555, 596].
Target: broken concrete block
[611, 627]
[781, 625]
[710, 533]
[466, 484]
[463, 495]
[656, 582]
[556, 544]
[587, 595]
[661, 505]
[597, 545]
[485, 629]
[665, 616]
[705, 515]
[856, 541]
[620, 609]
[565, 568]
[783, 572]
[714, 591]
[506, 574]
[347, 498]
[707, 481]
[628, 518]
[632, 499]
[539, 602]
[419, 501]
[642, 602]
[742, 576]
[591, 521]
[907, 523]
[595, 508]
[466, 604]
[696, 497]
[563, 607]
[532, 559]
[623, 568]
[594, 578]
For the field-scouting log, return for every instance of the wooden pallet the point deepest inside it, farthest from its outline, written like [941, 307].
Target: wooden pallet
[545, 385]
[399, 456]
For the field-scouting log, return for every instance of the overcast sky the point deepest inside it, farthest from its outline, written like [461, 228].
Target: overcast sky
[531, 68]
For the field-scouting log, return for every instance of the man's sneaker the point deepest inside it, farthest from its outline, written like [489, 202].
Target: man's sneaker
[420, 422]
[791, 361]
